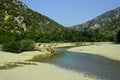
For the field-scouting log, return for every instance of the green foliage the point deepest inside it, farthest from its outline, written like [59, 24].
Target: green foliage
[27, 45]
[44, 58]
[6, 36]
[33, 20]
[68, 35]
[118, 36]
[18, 46]
[111, 28]
[79, 44]
[12, 46]
[43, 29]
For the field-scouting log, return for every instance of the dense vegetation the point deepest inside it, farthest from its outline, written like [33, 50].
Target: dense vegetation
[74, 36]
[118, 36]
[18, 46]
[16, 17]
[18, 22]
[66, 35]
[111, 29]
[107, 24]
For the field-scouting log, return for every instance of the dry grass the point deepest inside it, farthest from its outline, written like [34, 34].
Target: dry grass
[45, 58]
[12, 65]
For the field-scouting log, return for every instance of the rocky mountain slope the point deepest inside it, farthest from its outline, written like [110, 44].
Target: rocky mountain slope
[100, 21]
[111, 28]
[107, 24]
[18, 22]
[17, 17]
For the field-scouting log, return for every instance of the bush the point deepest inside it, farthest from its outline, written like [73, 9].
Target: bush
[79, 43]
[118, 36]
[18, 46]
[13, 46]
[28, 45]
[5, 38]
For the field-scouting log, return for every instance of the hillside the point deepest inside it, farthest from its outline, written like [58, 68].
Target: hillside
[18, 22]
[111, 28]
[107, 24]
[100, 21]
[17, 18]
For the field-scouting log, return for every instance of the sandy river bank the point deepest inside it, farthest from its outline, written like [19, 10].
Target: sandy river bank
[41, 71]
[106, 49]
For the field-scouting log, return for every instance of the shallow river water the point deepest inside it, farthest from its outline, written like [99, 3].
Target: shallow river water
[104, 68]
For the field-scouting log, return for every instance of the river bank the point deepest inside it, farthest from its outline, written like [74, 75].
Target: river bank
[39, 71]
[42, 72]
[106, 49]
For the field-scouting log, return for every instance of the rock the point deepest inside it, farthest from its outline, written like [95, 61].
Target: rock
[47, 49]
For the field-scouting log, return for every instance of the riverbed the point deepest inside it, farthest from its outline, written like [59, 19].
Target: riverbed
[103, 68]
[75, 64]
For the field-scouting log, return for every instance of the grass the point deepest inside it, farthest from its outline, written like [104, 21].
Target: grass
[84, 43]
[15, 64]
[45, 58]
[38, 58]
[26, 63]
[9, 66]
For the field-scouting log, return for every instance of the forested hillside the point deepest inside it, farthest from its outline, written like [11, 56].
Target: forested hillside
[18, 22]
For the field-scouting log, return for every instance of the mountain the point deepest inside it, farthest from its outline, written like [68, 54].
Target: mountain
[100, 21]
[111, 28]
[107, 25]
[18, 22]
[15, 16]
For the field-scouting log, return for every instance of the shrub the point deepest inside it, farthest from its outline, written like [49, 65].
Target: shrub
[5, 38]
[12, 46]
[79, 43]
[18, 46]
[27, 45]
[118, 36]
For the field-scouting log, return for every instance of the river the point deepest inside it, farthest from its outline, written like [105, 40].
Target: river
[104, 68]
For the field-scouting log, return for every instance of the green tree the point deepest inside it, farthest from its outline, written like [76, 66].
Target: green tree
[12, 46]
[118, 36]
[27, 45]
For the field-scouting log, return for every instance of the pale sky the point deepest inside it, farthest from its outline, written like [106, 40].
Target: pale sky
[71, 12]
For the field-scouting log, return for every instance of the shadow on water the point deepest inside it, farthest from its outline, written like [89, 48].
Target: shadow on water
[102, 67]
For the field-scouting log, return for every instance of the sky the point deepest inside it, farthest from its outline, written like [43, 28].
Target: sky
[71, 12]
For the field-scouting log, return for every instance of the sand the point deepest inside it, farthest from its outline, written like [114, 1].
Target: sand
[106, 49]
[63, 44]
[42, 72]
[6, 57]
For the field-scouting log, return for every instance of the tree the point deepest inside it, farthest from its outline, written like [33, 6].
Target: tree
[118, 36]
